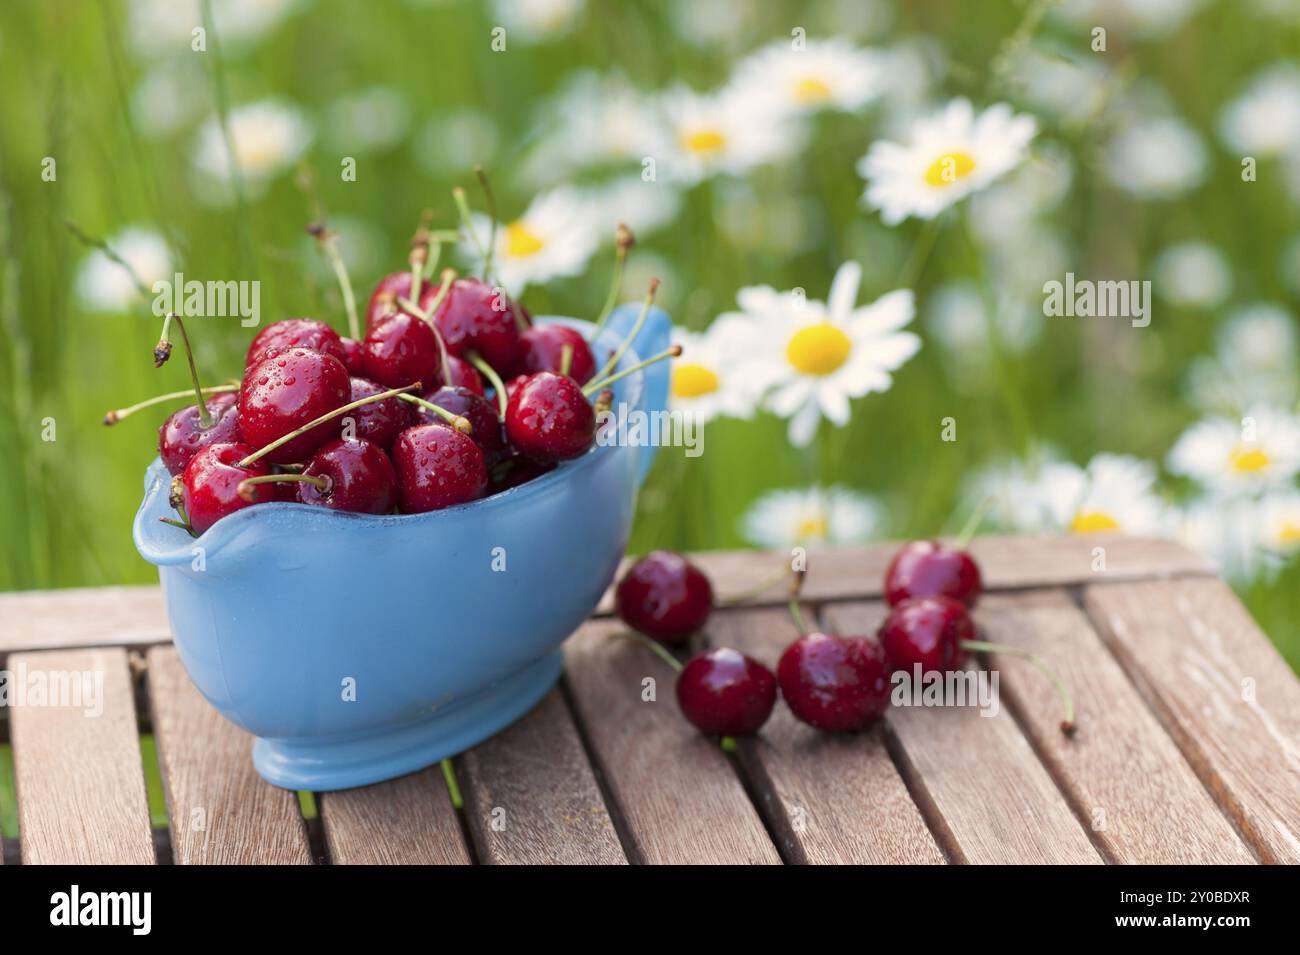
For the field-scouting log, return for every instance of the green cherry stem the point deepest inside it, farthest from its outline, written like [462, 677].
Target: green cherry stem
[796, 587]
[162, 351]
[328, 416]
[596, 386]
[466, 218]
[632, 334]
[328, 242]
[181, 524]
[658, 649]
[493, 378]
[1067, 702]
[453, 785]
[767, 583]
[462, 425]
[113, 417]
[566, 359]
[623, 242]
[973, 523]
[247, 488]
[448, 277]
[419, 257]
[491, 203]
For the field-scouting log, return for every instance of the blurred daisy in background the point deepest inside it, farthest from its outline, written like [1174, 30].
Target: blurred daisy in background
[266, 139]
[1255, 362]
[822, 74]
[1156, 158]
[368, 120]
[456, 141]
[816, 356]
[644, 206]
[1013, 489]
[946, 157]
[169, 96]
[708, 379]
[811, 516]
[1113, 494]
[715, 23]
[159, 27]
[730, 131]
[1228, 455]
[1224, 532]
[1060, 82]
[536, 20]
[1146, 19]
[1001, 213]
[1192, 274]
[957, 316]
[105, 286]
[1279, 523]
[552, 239]
[1264, 121]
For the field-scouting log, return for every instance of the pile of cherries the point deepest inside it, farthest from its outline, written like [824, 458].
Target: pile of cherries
[834, 682]
[398, 418]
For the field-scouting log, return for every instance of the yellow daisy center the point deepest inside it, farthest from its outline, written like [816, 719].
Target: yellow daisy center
[1248, 460]
[1093, 522]
[1289, 533]
[818, 349]
[704, 142]
[691, 381]
[811, 90]
[811, 528]
[522, 241]
[948, 168]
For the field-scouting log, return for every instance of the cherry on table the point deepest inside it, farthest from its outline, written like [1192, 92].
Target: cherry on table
[664, 596]
[549, 419]
[925, 568]
[401, 349]
[210, 484]
[928, 631]
[488, 432]
[294, 333]
[437, 467]
[379, 422]
[182, 435]
[725, 693]
[833, 682]
[541, 348]
[287, 390]
[358, 477]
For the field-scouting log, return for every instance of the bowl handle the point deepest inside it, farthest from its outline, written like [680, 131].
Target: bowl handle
[655, 336]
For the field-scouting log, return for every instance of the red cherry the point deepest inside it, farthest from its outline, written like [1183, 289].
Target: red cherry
[664, 596]
[383, 300]
[379, 422]
[286, 391]
[928, 569]
[353, 355]
[402, 349]
[834, 683]
[928, 631]
[210, 485]
[464, 375]
[182, 435]
[477, 317]
[725, 693]
[550, 419]
[513, 385]
[541, 348]
[437, 467]
[360, 476]
[481, 413]
[294, 332]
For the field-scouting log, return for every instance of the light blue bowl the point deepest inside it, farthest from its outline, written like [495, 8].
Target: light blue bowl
[357, 648]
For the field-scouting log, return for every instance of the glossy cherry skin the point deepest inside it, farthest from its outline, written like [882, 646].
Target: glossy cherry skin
[725, 693]
[437, 467]
[549, 419]
[400, 350]
[383, 300]
[839, 684]
[519, 471]
[379, 422]
[664, 596]
[352, 356]
[928, 631]
[464, 375]
[210, 484]
[541, 348]
[287, 390]
[928, 569]
[481, 413]
[361, 478]
[294, 332]
[477, 317]
[182, 436]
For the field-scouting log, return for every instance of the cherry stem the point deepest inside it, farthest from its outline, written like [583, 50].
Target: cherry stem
[247, 488]
[763, 585]
[328, 416]
[493, 378]
[113, 417]
[462, 206]
[95, 242]
[162, 351]
[448, 277]
[453, 786]
[635, 330]
[181, 524]
[597, 385]
[461, 424]
[972, 524]
[566, 359]
[419, 253]
[491, 202]
[623, 242]
[329, 246]
[658, 649]
[796, 587]
[1067, 702]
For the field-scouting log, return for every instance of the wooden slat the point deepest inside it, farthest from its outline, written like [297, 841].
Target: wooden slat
[997, 802]
[829, 797]
[79, 776]
[221, 811]
[1222, 691]
[531, 796]
[82, 617]
[405, 821]
[1126, 778]
[679, 798]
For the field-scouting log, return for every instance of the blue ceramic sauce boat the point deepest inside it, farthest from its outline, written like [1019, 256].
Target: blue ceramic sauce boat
[356, 647]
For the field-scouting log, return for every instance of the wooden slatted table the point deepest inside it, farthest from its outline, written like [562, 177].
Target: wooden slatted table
[1188, 747]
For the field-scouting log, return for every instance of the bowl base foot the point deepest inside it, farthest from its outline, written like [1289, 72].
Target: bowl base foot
[326, 764]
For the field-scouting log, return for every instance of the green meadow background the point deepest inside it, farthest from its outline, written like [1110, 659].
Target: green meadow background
[67, 73]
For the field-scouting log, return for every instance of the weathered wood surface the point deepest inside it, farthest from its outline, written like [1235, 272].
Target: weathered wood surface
[406, 821]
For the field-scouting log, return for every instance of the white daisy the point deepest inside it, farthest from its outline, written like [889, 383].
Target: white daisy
[822, 74]
[1257, 451]
[1193, 274]
[730, 132]
[536, 20]
[1265, 119]
[708, 379]
[816, 356]
[453, 142]
[267, 138]
[1142, 18]
[367, 120]
[1224, 532]
[1279, 523]
[169, 95]
[947, 156]
[1071, 86]
[718, 22]
[958, 318]
[790, 518]
[1156, 158]
[643, 206]
[104, 286]
[161, 27]
[1013, 490]
[554, 237]
[1113, 494]
[1255, 362]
